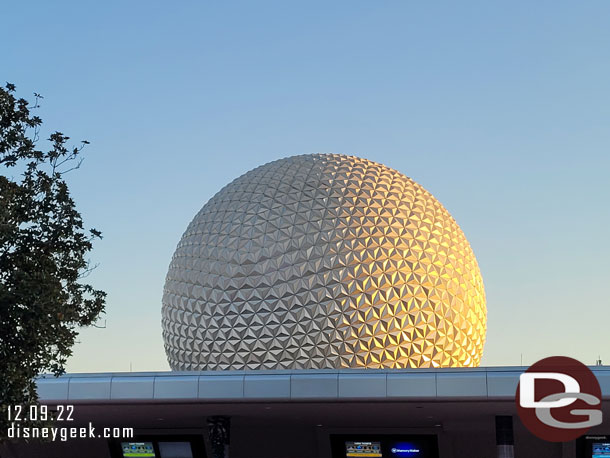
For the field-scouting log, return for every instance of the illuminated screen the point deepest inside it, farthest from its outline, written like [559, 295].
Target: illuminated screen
[601, 450]
[362, 449]
[385, 446]
[138, 449]
[405, 449]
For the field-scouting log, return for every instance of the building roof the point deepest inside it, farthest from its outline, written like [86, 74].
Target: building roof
[493, 383]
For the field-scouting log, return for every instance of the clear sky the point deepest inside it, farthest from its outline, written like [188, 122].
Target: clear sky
[500, 109]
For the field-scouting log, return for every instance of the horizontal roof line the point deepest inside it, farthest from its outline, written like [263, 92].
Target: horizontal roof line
[301, 385]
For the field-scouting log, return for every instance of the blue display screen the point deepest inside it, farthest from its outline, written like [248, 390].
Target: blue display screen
[385, 446]
[601, 450]
[405, 449]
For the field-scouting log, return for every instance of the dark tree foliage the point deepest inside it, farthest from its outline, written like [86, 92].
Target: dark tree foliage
[43, 248]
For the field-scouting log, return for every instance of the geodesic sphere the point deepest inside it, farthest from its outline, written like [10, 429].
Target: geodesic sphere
[323, 261]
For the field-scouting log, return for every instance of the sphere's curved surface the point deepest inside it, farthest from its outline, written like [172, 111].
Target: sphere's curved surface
[323, 261]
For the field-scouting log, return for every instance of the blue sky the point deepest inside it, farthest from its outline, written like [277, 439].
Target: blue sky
[500, 109]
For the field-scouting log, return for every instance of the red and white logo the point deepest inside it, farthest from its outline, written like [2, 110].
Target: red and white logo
[559, 399]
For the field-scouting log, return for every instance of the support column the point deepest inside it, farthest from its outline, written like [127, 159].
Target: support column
[568, 449]
[504, 437]
[219, 429]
